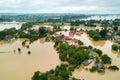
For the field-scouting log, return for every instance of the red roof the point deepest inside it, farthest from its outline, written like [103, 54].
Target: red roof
[78, 30]
[65, 37]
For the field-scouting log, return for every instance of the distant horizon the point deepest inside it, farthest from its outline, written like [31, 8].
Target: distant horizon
[62, 13]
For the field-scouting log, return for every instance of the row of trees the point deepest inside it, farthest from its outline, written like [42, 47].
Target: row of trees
[6, 32]
[61, 72]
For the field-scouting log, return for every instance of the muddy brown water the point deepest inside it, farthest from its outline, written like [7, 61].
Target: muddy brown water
[43, 57]
[105, 46]
[21, 66]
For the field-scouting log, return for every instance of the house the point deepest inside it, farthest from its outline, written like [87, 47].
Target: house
[99, 28]
[57, 36]
[26, 32]
[86, 62]
[50, 28]
[93, 54]
[79, 32]
[71, 33]
[9, 38]
[67, 38]
[117, 39]
[99, 66]
[65, 27]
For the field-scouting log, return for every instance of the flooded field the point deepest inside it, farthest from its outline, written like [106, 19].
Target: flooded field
[21, 66]
[10, 25]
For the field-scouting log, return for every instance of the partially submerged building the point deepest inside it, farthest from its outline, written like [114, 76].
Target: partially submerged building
[9, 38]
[86, 62]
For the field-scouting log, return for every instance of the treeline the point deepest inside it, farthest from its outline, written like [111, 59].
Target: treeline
[5, 19]
[98, 35]
[6, 32]
[42, 17]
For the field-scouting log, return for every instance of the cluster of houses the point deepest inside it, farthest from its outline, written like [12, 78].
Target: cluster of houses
[72, 41]
[112, 34]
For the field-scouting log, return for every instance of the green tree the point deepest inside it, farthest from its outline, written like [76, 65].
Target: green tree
[98, 51]
[103, 33]
[36, 76]
[106, 59]
[115, 28]
[19, 49]
[115, 47]
[114, 68]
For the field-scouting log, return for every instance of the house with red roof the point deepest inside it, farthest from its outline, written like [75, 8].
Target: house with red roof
[79, 32]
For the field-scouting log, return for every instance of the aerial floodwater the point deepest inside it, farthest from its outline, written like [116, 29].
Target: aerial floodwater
[7, 25]
[21, 66]
[105, 46]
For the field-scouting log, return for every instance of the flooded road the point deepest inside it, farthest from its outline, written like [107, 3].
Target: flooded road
[21, 66]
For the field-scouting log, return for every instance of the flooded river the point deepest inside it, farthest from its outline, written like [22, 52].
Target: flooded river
[21, 66]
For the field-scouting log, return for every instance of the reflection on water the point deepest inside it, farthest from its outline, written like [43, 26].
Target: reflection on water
[21, 66]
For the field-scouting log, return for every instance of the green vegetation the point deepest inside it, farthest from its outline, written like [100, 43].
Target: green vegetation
[7, 32]
[29, 52]
[103, 33]
[114, 68]
[27, 46]
[69, 53]
[93, 69]
[19, 50]
[106, 59]
[118, 33]
[98, 51]
[115, 28]
[5, 19]
[98, 35]
[94, 34]
[23, 43]
[115, 47]
[60, 73]
[56, 26]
